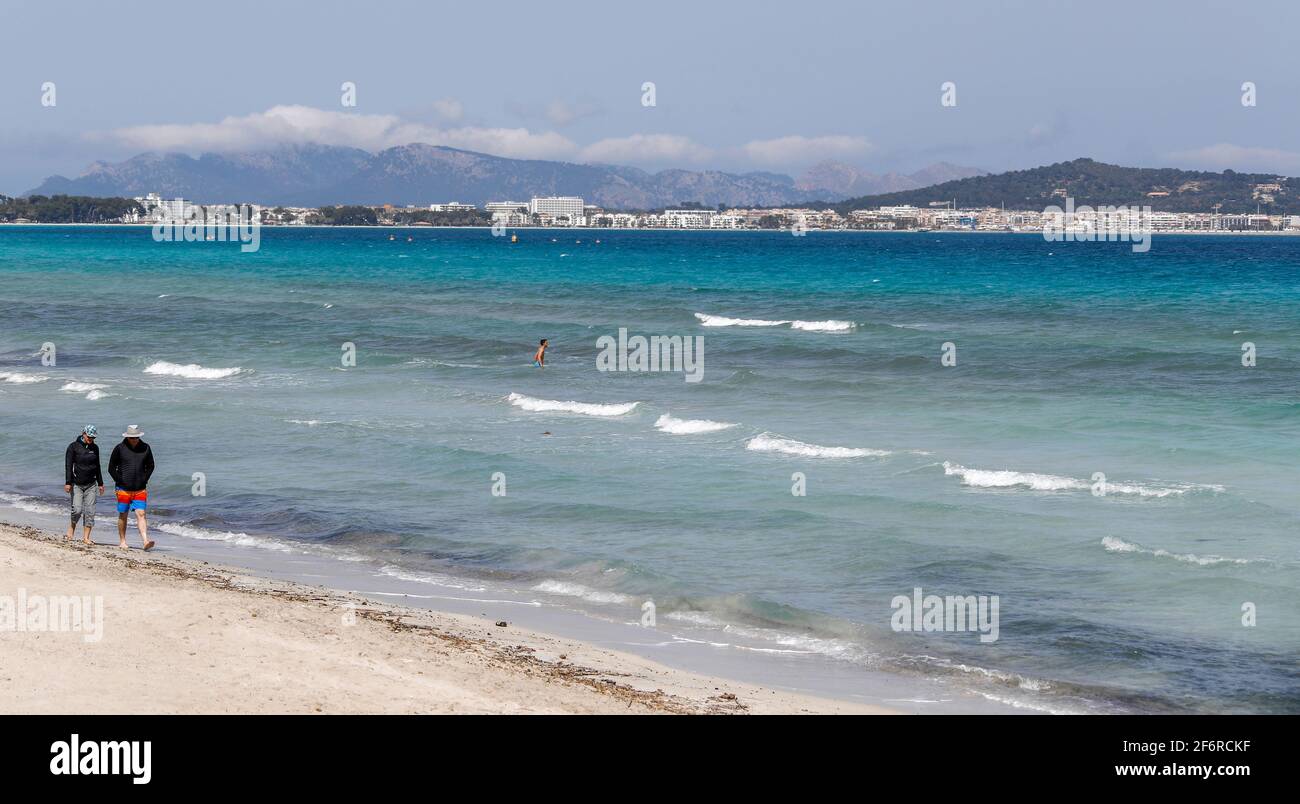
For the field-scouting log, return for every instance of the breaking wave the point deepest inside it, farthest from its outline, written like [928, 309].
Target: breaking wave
[585, 408]
[767, 442]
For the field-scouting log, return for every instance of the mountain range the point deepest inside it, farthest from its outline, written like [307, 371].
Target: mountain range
[840, 181]
[419, 174]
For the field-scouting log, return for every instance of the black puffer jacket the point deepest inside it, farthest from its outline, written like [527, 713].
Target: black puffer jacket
[131, 466]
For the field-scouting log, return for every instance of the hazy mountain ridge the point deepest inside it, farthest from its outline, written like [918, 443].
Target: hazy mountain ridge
[846, 181]
[317, 175]
[415, 174]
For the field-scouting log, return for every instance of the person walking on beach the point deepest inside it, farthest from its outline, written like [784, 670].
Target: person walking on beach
[130, 467]
[82, 481]
[539, 359]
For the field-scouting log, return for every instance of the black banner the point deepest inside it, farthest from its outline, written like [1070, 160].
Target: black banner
[301, 754]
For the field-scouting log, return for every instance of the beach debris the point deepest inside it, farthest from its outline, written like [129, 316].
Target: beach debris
[502, 623]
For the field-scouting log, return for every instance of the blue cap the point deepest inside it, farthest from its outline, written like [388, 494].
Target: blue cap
[91, 430]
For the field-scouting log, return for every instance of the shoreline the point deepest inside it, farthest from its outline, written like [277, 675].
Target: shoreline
[719, 652]
[782, 231]
[186, 636]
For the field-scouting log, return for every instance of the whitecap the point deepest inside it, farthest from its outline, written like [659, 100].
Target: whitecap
[1006, 478]
[998, 478]
[824, 326]
[807, 326]
[585, 408]
[1114, 545]
[767, 442]
[192, 371]
[81, 387]
[673, 426]
[723, 321]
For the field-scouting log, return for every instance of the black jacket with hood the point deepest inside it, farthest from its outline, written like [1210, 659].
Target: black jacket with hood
[81, 464]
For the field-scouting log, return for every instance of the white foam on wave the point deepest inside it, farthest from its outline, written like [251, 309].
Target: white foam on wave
[674, 426]
[241, 539]
[419, 361]
[585, 408]
[998, 478]
[1006, 478]
[29, 504]
[824, 326]
[230, 537]
[192, 371]
[722, 321]
[436, 579]
[1018, 703]
[788, 642]
[1034, 687]
[1114, 545]
[578, 590]
[19, 378]
[807, 326]
[767, 442]
[92, 390]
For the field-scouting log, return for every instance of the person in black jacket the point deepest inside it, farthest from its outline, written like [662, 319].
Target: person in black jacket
[82, 481]
[130, 465]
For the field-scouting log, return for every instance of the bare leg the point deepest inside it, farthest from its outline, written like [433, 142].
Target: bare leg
[121, 531]
[72, 501]
[85, 536]
[144, 528]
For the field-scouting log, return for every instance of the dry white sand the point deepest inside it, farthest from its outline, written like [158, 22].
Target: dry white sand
[183, 636]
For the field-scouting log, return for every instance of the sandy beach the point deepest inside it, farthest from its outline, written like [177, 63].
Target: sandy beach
[185, 636]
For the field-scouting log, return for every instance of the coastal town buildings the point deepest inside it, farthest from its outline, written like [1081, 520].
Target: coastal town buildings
[941, 216]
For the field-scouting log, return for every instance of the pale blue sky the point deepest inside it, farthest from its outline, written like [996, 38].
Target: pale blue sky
[740, 86]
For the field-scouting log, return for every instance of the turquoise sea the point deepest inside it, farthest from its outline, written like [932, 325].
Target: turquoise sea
[822, 352]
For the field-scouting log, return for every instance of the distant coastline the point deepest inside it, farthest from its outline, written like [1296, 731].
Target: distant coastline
[783, 231]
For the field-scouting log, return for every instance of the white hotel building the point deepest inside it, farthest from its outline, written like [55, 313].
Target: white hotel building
[558, 207]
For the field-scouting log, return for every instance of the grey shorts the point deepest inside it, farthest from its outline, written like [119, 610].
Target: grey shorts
[83, 505]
